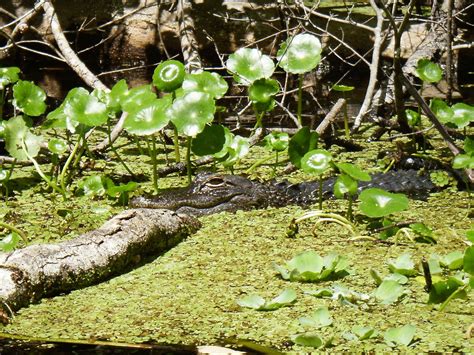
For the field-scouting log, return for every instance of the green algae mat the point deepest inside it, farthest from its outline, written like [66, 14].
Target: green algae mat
[189, 295]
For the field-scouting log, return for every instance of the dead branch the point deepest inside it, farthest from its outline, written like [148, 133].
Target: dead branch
[71, 57]
[189, 46]
[374, 68]
[37, 271]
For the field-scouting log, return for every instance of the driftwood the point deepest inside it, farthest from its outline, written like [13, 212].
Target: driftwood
[37, 271]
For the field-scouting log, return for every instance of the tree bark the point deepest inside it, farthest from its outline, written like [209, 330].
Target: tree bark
[37, 271]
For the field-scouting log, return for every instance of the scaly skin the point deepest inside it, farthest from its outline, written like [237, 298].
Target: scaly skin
[212, 193]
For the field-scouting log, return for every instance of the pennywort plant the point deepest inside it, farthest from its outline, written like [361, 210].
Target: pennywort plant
[299, 55]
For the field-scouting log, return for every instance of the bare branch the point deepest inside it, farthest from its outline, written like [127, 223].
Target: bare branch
[71, 57]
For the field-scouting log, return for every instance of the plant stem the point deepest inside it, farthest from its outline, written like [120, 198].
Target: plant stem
[15, 230]
[349, 209]
[346, 119]
[300, 98]
[111, 145]
[177, 156]
[68, 162]
[153, 161]
[43, 176]
[188, 159]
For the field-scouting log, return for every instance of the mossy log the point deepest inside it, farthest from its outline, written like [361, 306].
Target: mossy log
[37, 271]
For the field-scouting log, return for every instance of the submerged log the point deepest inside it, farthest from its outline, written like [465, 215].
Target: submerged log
[37, 271]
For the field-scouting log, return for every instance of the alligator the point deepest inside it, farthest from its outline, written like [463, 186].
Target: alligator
[213, 192]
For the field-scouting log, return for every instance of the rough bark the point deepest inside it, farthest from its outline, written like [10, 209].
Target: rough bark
[37, 271]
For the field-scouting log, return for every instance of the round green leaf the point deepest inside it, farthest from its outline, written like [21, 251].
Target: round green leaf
[57, 146]
[85, 108]
[116, 95]
[249, 64]
[93, 186]
[389, 291]
[345, 185]
[301, 143]
[354, 171]
[379, 203]
[18, 138]
[251, 301]
[316, 161]
[413, 118]
[263, 90]
[211, 83]
[428, 71]
[8, 76]
[463, 114]
[149, 118]
[277, 141]
[29, 98]
[463, 161]
[9, 242]
[210, 141]
[238, 148]
[169, 75]
[300, 54]
[469, 145]
[191, 112]
[136, 97]
[442, 111]
[400, 336]
[312, 340]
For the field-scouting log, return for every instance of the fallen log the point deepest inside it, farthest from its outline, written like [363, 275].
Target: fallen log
[37, 271]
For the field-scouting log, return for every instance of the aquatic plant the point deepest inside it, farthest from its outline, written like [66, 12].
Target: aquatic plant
[309, 266]
[286, 298]
[298, 55]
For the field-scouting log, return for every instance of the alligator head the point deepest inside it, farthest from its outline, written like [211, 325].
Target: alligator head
[212, 193]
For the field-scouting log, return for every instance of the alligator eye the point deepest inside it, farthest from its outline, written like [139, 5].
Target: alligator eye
[215, 182]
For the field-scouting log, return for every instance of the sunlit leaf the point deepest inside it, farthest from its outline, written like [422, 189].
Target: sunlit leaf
[277, 141]
[400, 336]
[8, 76]
[211, 83]
[29, 98]
[403, 265]
[428, 71]
[149, 118]
[316, 161]
[301, 143]
[379, 203]
[249, 64]
[300, 54]
[19, 141]
[169, 75]
[319, 318]
[389, 291]
[191, 112]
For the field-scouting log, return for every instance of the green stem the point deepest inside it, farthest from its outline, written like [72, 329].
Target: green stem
[177, 156]
[62, 175]
[43, 176]
[300, 98]
[111, 145]
[349, 209]
[452, 296]
[153, 161]
[15, 230]
[257, 164]
[346, 120]
[188, 159]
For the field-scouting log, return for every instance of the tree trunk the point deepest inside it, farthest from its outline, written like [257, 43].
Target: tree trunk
[37, 271]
